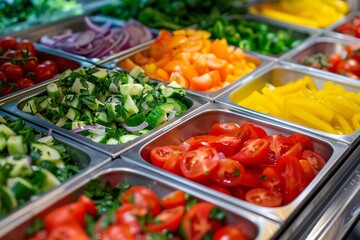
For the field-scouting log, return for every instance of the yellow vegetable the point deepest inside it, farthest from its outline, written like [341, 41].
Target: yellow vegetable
[332, 109]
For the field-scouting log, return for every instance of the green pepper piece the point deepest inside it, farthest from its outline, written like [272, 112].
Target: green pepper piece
[245, 31]
[218, 30]
[234, 39]
[280, 47]
[295, 43]
[230, 30]
[269, 40]
[261, 27]
[246, 44]
[283, 36]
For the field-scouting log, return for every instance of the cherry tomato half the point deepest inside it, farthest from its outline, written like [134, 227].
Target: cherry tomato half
[254, 152]
[159, 155]
[168, 219]
[229, 173]
[264, 197]
[224, 128]
[174, 199]
[316, 161]
[305, 141]
[229, 233]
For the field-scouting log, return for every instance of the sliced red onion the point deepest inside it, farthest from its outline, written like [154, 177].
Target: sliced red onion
[136, 128]
[47, 40]
[97, 129]
[49, 131]
[103, 29]
[85, 38]
[171, 115]
[99, 126]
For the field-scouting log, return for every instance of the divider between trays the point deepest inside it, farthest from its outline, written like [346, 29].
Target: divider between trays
[96, 160]
[281, 214]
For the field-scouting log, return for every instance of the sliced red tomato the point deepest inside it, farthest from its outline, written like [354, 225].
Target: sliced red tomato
[249, 131]
[348, 65]
[40, 235]
[89, 205]
[229, 233]
[174, 199]
[117, 232]
[309, 171]
[73, 212]
[143, 197]
[251, 178]
[229, 173]
[295, 151]
[305, 141]
[159, 155]
[315, 160]
[253, 153]
[68, 231]
[271, 180]
[128, 214]
[220, 188]
[198, 164]
[264, 197]
[279, 145]
[173, 164]
[168, 219]
[239, 191]
[333, 61]
[228, 128]
[197, 222]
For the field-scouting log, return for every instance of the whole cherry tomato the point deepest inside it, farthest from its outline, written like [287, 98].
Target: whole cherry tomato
[7, 89]
[7, 43]
[3, 77]
[23, 83]
[52, 65]
[26, 46]
[13, 72]
[42, 73]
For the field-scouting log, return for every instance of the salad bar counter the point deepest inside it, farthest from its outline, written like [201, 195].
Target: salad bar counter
[135, 121]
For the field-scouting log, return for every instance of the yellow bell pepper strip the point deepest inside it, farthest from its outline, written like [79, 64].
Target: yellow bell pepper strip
[311, 13]
[332, 109]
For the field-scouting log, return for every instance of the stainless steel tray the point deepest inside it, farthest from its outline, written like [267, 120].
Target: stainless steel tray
[280, 74]
[256, 227]
[209, 95]
[87, 159]
[41, 50]
[75, 24]
[114, 151]
[325, 44]
[200, 122]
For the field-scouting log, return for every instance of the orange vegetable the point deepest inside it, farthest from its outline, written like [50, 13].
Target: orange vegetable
[188, 57]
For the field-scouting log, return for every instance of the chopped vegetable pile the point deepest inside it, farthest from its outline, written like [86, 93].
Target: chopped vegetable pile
[346, 63]
[309, 13]
[332, 109]
[99, 41]
[30, 164]
[245, 162]
[108, 106]
[134, 212]
[21, 66]
[16, 11]
[351, 28]
[253, 35]
[169, 14]
[188, 57]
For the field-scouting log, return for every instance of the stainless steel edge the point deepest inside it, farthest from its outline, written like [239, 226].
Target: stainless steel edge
[333, 151]
[335, 209]
[95, 160]
[319, 77]
[127, 171]
[41, 85]
[265, 60]
[111, 150]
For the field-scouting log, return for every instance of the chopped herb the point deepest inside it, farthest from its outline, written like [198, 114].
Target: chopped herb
[217, 213]
[36, 226]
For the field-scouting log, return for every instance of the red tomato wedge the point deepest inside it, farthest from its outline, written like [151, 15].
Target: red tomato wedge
[229, 173]
[128, 214]
[315, 160]
[168, 219]
[224, 128]
[174, 199]
[254, 152]
[159, 155]
[198, 164]
[117, 232]
[264, 197]
[279, 145]
[229, 233]
[69, 231]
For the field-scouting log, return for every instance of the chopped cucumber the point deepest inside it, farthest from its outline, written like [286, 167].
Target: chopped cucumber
[101, 118]
[21, 188]
[48, 140]
[111, 110]
[126, 78]
[112, 141]
[46, 152]
[6, 130]
[156, 117]
[21, 166]
[101, 74]
[16, 145]
[98, 138]
[130, 106]
[131, 89]
[2, 119]
[96, 105]
[61, 122]
[30, 107]
[135, 120]
[49, 181]
[7, 199]
[167, 107]
[44, 104]
[179, 107]
[73, 114]
[82, 85]
[171, 92]
[53, 92]
[113, 88]
[77, 124]
[137, 72]
[2, 141]
[127, 138]
[65, 74]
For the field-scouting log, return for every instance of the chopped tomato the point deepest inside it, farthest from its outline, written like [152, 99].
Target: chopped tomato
[173, 164]
[221, 189]
[224, 128]
[249, 131]
[198, 164]
[68, 231]
[142, 197]
[89, 205]
[264, 197]
[271, 180]
[254, 152]
[295, 151]
[197, 222]
[160, 155]
[174, 199]
[168, 219]
[229, 173]
[304, 140]
[309, 171]
[279, 145]
[239, 191]
[128, 214]
[315, 160]
[229, 233]
[251, 177]
[117, 232]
